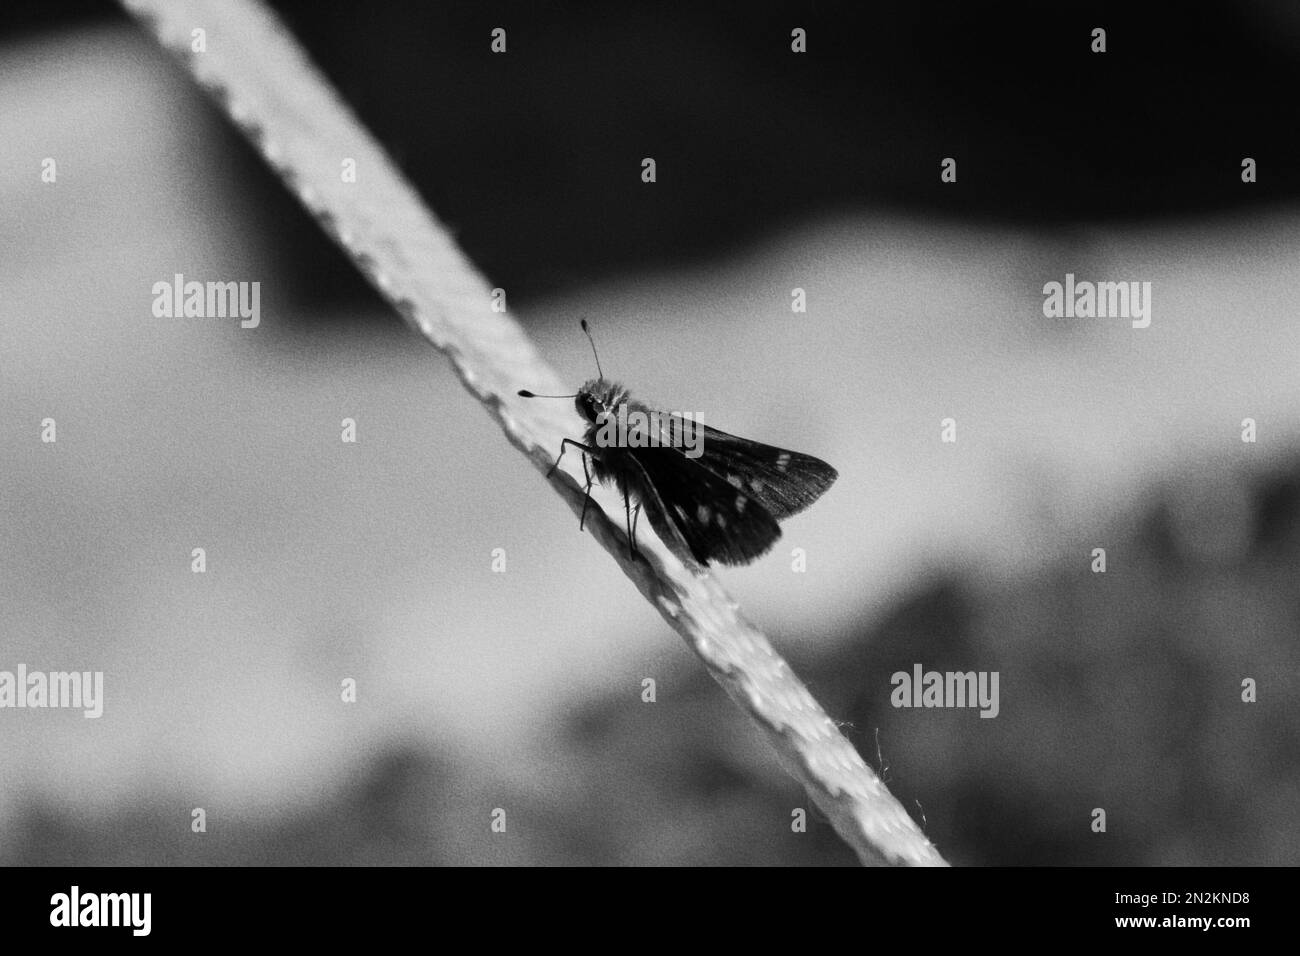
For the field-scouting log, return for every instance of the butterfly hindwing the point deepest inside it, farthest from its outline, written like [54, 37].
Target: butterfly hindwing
[692, 507]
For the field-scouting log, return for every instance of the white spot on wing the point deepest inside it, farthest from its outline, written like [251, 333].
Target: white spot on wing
[703, 512]
[741, 501]
[783, 461]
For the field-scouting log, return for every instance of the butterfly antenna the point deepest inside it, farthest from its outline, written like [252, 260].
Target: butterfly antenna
[527, 394]
[593, 347]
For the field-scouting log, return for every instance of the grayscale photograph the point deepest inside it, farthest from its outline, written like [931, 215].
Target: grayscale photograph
[450, 434]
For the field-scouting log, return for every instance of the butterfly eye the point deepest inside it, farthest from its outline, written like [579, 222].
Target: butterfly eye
[586, 407]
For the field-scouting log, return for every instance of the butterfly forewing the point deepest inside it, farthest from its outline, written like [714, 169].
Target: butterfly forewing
[783, 482]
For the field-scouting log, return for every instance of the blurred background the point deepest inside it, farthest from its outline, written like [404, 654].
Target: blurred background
[522, 690]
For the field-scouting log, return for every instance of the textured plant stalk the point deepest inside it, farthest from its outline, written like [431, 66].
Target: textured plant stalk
[263, 80]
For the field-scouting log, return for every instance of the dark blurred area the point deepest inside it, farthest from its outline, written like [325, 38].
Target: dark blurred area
[533, 157]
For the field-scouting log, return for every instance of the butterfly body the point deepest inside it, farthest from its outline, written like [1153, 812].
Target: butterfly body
[710, 496]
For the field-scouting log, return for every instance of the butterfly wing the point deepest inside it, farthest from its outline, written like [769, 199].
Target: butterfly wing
[696, 512]
[783, 482]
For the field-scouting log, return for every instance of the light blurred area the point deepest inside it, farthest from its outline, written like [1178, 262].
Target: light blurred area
[523, 690]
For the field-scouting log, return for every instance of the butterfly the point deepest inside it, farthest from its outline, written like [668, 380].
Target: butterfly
[709, 496]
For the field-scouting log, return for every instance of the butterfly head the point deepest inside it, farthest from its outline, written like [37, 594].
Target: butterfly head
[598, 398]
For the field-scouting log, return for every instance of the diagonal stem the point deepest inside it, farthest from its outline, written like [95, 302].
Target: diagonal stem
[263, 80]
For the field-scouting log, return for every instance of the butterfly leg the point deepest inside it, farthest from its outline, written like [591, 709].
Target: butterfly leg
[631, 535]
[564, 445]
[586, 491]
[636, 513]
